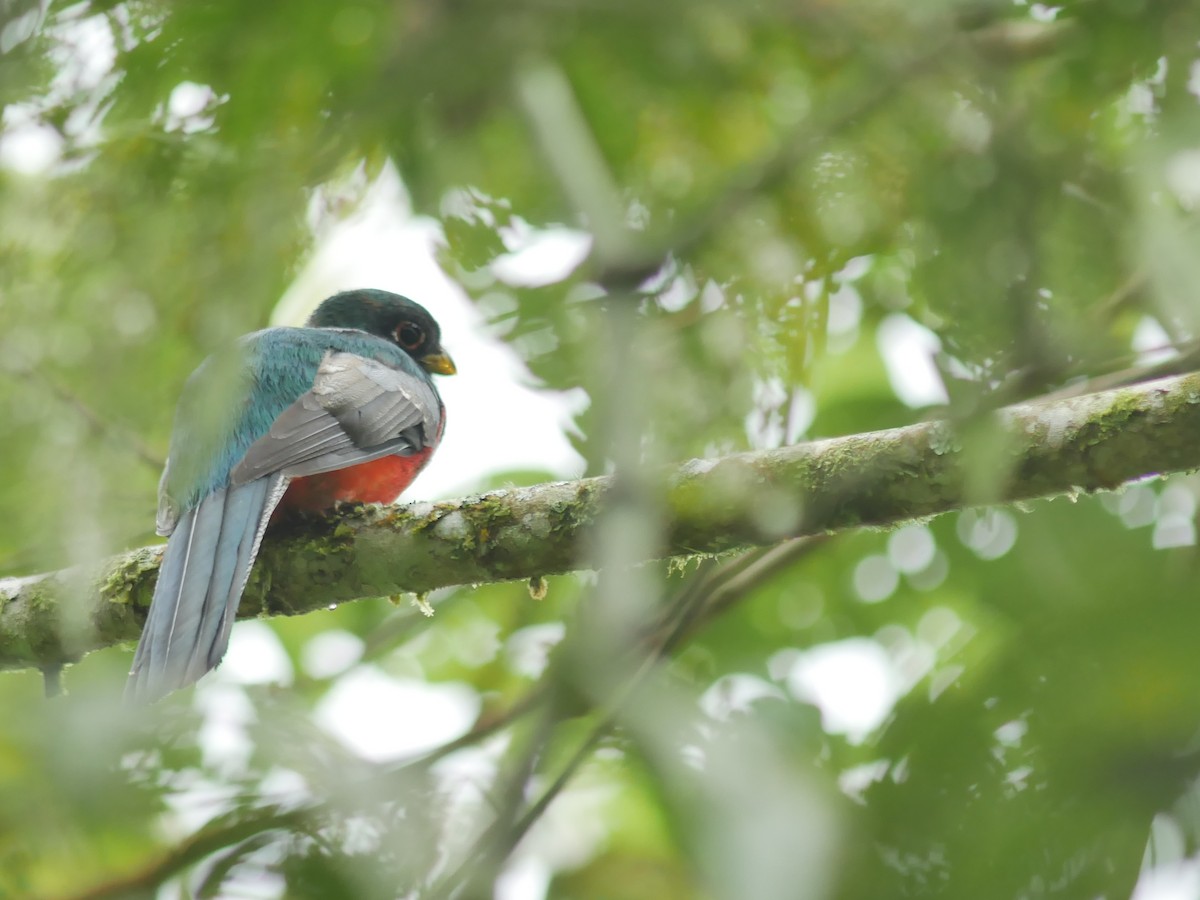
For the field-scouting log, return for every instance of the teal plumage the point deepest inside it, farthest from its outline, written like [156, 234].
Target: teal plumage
[342, 409]
[215, 425]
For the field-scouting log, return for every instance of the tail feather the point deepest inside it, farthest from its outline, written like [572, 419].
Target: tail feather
[273, 489]
[231, 566]
[200, 583]
[162, 608]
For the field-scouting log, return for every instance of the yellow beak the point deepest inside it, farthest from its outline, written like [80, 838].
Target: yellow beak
[439, 363]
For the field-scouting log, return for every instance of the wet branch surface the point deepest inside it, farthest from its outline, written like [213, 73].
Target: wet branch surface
[1051, 448]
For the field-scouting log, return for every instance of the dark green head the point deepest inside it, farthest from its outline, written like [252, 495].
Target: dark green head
[394, 318]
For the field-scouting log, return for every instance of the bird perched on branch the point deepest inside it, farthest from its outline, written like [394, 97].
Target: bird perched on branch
[342, 409]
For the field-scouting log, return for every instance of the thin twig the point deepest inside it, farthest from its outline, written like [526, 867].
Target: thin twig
[193, 850]
[98, 424]
[705, 596]
[484, 728]
[765, 565]
[488, 852]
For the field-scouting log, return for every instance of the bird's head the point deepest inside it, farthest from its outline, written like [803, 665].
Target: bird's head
[406, 324]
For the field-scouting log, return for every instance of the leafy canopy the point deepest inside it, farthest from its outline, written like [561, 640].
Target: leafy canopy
[783, 198]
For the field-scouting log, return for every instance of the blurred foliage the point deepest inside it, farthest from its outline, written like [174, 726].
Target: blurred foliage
[796, 189]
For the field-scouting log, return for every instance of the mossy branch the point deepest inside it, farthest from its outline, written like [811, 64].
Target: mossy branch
[1042, 449]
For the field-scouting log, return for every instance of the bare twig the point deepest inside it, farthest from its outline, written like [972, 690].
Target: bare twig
[706, 595]
[100, 425]
[144, 881]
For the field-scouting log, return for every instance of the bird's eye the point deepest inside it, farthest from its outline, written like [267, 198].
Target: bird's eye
[409, 336]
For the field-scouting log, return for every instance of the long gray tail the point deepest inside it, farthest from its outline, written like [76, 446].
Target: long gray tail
[200, 583]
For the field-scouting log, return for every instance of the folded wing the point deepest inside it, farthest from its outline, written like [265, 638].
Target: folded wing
[357, 410]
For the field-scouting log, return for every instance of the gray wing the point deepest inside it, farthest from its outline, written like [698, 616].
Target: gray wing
[357, 410]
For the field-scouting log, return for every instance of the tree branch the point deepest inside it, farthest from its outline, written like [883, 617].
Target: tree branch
[1089, 443]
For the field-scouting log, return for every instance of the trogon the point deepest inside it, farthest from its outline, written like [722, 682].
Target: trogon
[342, 409]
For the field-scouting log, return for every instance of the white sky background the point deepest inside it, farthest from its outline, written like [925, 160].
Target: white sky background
[496, 418]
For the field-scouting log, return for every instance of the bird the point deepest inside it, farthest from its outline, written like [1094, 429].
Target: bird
[342, 409]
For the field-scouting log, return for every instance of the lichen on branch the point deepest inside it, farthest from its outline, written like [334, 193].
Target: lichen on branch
[1040, 449]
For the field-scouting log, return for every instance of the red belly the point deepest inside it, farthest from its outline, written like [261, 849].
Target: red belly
[378, 481]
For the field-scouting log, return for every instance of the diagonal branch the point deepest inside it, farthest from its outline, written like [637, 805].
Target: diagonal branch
[1063, 446]
[99, 424]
